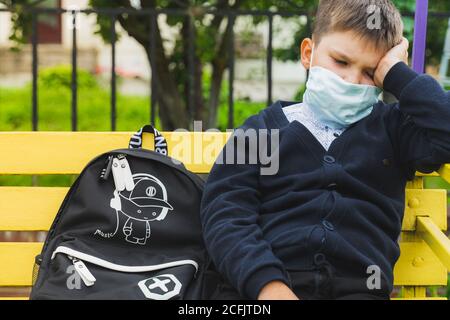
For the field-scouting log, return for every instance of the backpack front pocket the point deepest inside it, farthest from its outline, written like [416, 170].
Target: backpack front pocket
[78, 275]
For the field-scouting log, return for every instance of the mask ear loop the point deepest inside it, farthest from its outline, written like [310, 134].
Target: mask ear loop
[312, 55]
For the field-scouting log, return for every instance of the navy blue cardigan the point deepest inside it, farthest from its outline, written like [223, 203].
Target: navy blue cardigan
[346, 203]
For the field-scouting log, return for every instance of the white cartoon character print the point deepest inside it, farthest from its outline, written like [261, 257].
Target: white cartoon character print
[146, 202]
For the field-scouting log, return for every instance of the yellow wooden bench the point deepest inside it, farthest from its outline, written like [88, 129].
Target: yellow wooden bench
[425, 250]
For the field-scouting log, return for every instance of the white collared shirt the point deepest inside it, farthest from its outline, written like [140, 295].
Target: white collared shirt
[302, 113]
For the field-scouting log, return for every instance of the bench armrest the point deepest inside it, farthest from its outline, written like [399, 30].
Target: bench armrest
[435, 238]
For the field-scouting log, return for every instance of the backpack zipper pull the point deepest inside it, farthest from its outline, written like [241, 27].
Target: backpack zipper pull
[126, 171]
[107, 170]
[83, 271]
[118, 174]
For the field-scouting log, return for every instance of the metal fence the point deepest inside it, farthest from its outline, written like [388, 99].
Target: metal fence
[153, 15]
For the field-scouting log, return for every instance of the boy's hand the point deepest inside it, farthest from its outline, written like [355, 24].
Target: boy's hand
[395, 55]
[276, 290]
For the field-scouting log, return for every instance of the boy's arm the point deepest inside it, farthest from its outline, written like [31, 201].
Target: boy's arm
[229, 214]
[276, 290]
[419, 125]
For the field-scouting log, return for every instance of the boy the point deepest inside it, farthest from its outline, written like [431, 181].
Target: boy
[326, 225]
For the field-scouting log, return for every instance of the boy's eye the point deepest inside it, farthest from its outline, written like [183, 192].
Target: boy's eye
[341, 62]
[370, 74]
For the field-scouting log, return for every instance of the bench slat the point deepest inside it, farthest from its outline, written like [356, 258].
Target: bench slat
[34, 208]
[29, 208]
[16, 262]
[28, 152]
[68, 152]
[417, 265]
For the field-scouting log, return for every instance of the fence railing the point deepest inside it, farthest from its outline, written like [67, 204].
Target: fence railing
[153, 15]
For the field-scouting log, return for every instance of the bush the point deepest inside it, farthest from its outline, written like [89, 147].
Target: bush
[61, 77]
[242, 111]
[300, 92]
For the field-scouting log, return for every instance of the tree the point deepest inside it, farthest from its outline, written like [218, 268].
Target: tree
[212, 47]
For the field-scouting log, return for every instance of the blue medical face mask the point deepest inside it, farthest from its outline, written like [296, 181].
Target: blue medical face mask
[336, 102]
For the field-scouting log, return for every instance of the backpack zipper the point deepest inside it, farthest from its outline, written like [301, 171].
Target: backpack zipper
[107, 170]
[144, 154]
[83, 271]
[126, 172]
[78, 258]
[123, 178]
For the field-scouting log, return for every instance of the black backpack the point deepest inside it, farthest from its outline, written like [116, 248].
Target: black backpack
[129, 228]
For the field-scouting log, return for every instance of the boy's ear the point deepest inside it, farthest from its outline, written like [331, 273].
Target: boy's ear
[306, 52]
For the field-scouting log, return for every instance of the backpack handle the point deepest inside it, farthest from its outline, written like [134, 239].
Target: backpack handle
[160, 141]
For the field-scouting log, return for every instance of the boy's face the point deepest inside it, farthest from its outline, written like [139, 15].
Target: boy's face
[353, 58]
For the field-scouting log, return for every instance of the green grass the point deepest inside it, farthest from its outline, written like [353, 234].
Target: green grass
[55, 110]
[42, 181]
[437, 183]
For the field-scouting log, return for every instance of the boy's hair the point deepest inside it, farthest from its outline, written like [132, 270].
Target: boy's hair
[355, 15]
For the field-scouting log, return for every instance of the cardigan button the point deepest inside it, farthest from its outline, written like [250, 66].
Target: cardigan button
[329, 159]
[319, 259]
